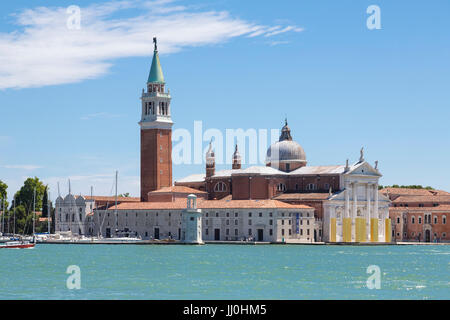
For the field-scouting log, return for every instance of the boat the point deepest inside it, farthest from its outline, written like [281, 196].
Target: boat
[18, 244]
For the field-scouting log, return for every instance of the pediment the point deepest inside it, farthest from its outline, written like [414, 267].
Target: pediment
[363, 169]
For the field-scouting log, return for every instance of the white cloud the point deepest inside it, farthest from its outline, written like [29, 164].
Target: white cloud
[100, 115]
[43, 51]
[22, 166]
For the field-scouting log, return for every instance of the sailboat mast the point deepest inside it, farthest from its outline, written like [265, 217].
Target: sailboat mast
[3, 214]
[48, 211]
[34, 210]
[115, 207]
[14, 210]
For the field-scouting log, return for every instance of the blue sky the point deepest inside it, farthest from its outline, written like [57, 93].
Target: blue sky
[69, 99]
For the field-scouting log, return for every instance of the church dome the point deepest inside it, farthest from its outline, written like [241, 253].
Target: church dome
[286, 151]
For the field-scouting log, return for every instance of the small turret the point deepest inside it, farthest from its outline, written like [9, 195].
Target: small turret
[236, 158]
[210, 161]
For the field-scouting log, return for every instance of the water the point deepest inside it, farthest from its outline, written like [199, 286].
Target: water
[225, 272]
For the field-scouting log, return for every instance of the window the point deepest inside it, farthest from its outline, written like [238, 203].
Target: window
[235, 222]
[250, 222]
[260, 214]
[290, 232]
[282, 222]
[249, 232]
[270, 214]
[235, 232]
[249, 214]
[227, 232]
[413, 220]
[310, 186]
[228, 222]
[206, 231]
[228, 214]
[270, 232]
[398, 220]
[444, 219]
[281, 187]
[271, 222]
[282, 232]
[307, 232]
[220, 187]
[435, 220]
[217, 214]
[444, 234]
[420, 219]
[326, 186]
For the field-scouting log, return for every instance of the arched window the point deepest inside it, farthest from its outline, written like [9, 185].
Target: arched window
[435, 219]
[220, 187]
[420, 219]
[444, 219]
[310, 186]
[281, 187]
[413, 220]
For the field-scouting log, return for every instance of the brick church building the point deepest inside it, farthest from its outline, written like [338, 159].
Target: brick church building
[286, 200]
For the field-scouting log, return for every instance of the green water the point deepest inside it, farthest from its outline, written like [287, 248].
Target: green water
[225, 272]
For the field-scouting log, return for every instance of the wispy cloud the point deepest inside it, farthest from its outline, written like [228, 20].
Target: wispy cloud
[276, 43]
[22, 166]
[44, 51]
[100, 115]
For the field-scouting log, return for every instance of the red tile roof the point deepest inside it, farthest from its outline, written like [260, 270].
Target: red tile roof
[303, 196]
[112, 198]
[179, 189]
[210, 204]
[412, 192]
[442, 207]
[410, 199]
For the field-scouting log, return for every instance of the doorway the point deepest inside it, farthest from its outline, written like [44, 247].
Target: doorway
[108, 232]
[217, 234]
[156, 233]
[427, 235]
[260, 235]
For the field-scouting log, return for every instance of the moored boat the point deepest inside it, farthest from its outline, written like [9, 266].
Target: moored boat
[17, 244]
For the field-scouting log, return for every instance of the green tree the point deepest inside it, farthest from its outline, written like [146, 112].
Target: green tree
[25, 195]
[52, 225]
[3, 194]
[125, 195]
[45, 203]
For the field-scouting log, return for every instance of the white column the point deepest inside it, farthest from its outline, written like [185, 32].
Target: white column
[355, 200]
[368, 189]
[375, 211]
[347, 201]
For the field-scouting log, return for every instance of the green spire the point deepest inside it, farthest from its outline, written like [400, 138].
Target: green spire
[156, 74]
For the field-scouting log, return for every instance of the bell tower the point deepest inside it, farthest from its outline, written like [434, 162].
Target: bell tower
[156, 131]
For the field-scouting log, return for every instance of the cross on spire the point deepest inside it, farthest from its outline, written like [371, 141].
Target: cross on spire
[156, 43]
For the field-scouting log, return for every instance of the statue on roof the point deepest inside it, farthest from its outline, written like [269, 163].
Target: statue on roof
[361, 157]
[155, 42]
